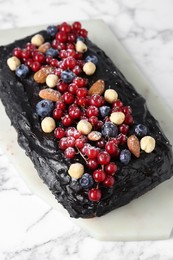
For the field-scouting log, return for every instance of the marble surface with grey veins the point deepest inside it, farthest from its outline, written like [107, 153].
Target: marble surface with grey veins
[27, 224]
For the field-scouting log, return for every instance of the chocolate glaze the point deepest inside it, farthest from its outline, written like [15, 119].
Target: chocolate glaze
[139, 176]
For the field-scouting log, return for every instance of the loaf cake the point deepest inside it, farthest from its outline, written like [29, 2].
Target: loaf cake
[86, 129]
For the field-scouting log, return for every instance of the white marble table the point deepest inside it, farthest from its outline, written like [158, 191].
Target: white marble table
[27, 232]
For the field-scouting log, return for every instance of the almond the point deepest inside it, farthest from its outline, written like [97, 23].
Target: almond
[44, 47]
[40, 75]
[50, 94]
[94, 136]
[97, 88]
[134, 145]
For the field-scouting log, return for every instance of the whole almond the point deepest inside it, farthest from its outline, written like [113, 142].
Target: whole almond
[134, 145]
[97, 88]
[40, 75]
[44, 47]
[50, 94]
[94, 136]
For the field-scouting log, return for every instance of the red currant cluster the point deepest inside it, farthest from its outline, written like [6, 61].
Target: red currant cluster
[99, 155]
[64, 42]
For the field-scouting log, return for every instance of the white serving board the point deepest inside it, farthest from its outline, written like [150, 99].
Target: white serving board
[149, 217]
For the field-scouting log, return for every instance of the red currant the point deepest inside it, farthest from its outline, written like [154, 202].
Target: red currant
[97, 100]
[39, 57]
[68, 98]
[70, 141]
[72, 88]
[101, 143]
[83, 101]
[127, 110]
[58, 72]
[123, 129]
[76, 25]
[77, 70]
[79, 143]
[70, 63]
[94, 194]
[62, 87]
[26, 54]
[63, 143]
[99, 175]
[17, 52]
[103, 158]
[109, 181]
[92, 164]
[63, 54]
[59, 132]
[92, 111]
[71, 37]
[83, 33]
[65, 28]
[35, 66]
[128, 119]
[69, 152]
[111, 168]
[60, 105]
[61, 36]
[80, 82]
[29, 46]
[92, 152]
[71, 53]
[67, 120]
[54, 63]
[93, 120]
[75, 113]
[49, 59]
[111, 148]
[29, 63]
[57, 114]
[122, 139]
[70, 46]
[117, 103]
[81, 92]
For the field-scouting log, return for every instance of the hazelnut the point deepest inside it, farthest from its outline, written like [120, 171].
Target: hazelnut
[94, 136]
[81, 47]
[117, 118]
[48, 124]
[89, 68]
[13, 63]
[76, 170]
[37, 40]
[51, 80]
[110, 95]
[84, 127]
[147, 144]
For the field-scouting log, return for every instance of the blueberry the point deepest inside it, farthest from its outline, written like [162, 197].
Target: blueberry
[125, 156]
[141, 130]
[44, 107]
[22, 71]
[86, 181]
[109, 130]
[80, 38]
[104, 111]
[52, 52]
[52, 30]
[92, 58]
[67, 76]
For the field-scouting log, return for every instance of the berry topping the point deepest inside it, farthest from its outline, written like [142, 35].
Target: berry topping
[92, 58]
[67, 76]
[109, 181]
[59, 132]
[44, 108]
[125, 156]
[111, 168]
[69, 152]
[86, 181]
[99, 175]
[109, 130]
[52, 52]
[103, 158]
[104, 111]
[141, 130]
[94, 194]
[52, 30]
[22, 71]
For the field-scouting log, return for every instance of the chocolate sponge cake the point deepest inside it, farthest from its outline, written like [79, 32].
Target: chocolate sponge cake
[86, 129]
